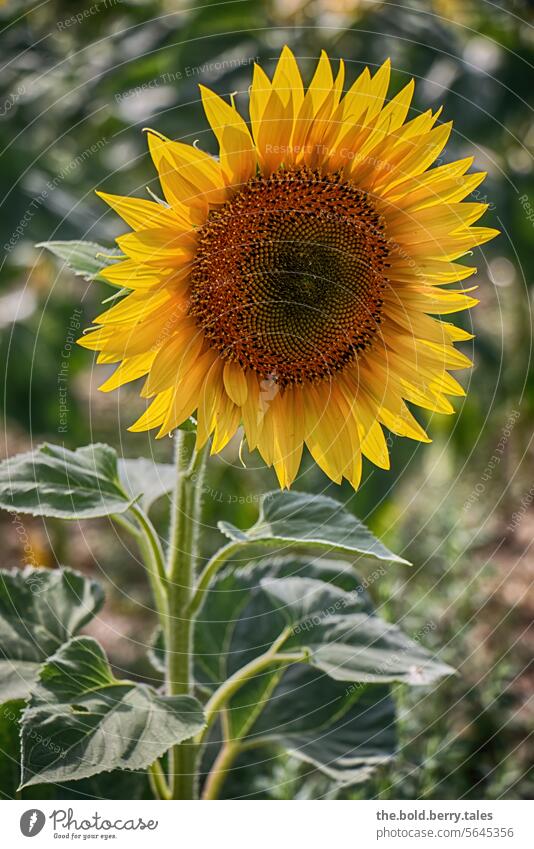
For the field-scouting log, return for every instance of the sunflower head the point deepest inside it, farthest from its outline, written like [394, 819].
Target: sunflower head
[296, 284]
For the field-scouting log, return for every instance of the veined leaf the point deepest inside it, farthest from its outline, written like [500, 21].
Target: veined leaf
[39, 611]
[10, 747]
[289, 518]
[343, 731]
[348, 645]
[53, 481]
[232, 603]
[81, 720]
[86, 259]
[333, 709]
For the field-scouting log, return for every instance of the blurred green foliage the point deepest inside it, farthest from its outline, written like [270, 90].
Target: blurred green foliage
[79, 82]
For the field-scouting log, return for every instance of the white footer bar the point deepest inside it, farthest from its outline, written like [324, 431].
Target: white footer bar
[268, 825]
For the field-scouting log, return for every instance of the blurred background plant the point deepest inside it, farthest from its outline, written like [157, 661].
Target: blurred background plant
[79, 82]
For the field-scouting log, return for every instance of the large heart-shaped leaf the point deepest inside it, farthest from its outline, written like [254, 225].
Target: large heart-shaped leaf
[10, 747]
[86, 259]
[289, 518]
[237, 599]
[333, 708]
[343, 731]
[336, 627]
[39, 611]
[348, 645]
[53, 481]
[119, 784]
[81, 720]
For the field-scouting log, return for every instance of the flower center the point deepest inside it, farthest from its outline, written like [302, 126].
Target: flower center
[289, 275]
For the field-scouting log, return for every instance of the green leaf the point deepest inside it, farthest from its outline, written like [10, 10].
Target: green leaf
[81, 720]
[338, 639]
[53, 481]
[334, 708]
[236, 600]
[118, 784]
[343, 731]
[145, 480]
[86, 259]
[311, 520]
[39, 611]
[348, 645]
[10, 747]
[248, 608]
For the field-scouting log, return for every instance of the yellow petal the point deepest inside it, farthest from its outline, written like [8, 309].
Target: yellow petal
[210, 398]
[423, 181]
[160, 246]
[253, 410]
[237, 153]
[275, 130]
[318, 91]
[131, 338]
[226, 423]
[130, 274]
[440, 190]
[376, 383]
[355, 101]
[288, 427]
[349, 437]
[413, 227]
[378, 90]
[423, 154]
[371, 436]
[188, 175]
[184, 398]
[235, 383]
[437, 272]
[260, 91]
[133, 308]
[141, 214]
[177, 355]
[265, 444]
[287, 80]
[155, 412]
[130, 369]
[456, 245]
[317, 152]
[322, 433]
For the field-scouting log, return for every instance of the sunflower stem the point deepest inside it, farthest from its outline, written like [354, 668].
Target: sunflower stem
[158, 782]
[219, 771]
[182, 554]
[152, 554]
[210, 570]
[225, 692]
[218, 705]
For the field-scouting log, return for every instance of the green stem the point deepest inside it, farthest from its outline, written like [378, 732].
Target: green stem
[236, 681]
[158, 783]
[125, 523]
[181, 560]
[232, 748]
[225, 692]
[205, 578]
[150, 546]
[224, 760]
[218, 702]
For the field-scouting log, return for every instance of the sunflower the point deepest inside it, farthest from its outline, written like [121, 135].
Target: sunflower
[291, 286]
